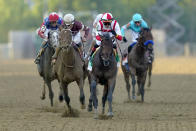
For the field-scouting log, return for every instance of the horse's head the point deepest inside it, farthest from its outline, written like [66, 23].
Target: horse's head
[65, 38]
[53, 38]
[146, 39]
[106, 49]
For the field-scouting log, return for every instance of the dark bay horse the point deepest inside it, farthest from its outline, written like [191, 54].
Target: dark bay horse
[69, 67]
[127, 74]
[45, 67]
[104, 72]
[138, 61]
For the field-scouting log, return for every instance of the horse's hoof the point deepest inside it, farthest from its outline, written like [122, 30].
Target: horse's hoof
[42, 97]
[90, 108]
[83, 107]
[61, 98]
[96, 114]
[133, 97]
[110, 114]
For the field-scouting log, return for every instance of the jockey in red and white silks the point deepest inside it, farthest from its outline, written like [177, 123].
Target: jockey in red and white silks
[109, 25]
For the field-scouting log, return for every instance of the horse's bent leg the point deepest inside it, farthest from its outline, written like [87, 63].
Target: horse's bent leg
[90, 98]
[51, 94]
[126, 77]
[104, 97]
[60, 93]
[43, 91]
[94, 97]
[82, 97]
[133, 86]
[142, 91]
[149, 75]
[111, 85]
[66, 97]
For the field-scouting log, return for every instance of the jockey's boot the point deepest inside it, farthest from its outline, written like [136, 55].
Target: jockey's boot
[37, 59]
[54, 57]
[91, 57]
[117, 57]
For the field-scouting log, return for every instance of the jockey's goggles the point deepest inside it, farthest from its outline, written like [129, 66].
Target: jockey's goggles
[107, 23]
[137, 22]
[53, 22]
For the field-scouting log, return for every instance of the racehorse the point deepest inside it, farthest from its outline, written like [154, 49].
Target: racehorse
[138, 61]
[104, 72]
[69, 67]
[45, 67]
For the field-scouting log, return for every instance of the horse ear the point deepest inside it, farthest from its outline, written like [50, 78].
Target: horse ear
[60, 27]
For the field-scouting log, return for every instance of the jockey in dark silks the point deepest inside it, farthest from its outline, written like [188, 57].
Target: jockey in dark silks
[52, 22]
[135, 25]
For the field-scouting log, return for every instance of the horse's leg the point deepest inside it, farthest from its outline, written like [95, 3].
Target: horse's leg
[66, 97]
[149, 75]
[43, 91]
[104, 97]
[51, 94]
[133, 86]
[111, 85]
[142, 80]
[60, 92]
[126, 78]
[94, 97]
[90, 98]
[82, 97]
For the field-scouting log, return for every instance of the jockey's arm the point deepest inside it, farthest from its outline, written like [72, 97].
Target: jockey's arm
[98, 32]
[86, 30]
[118, 32]
[124, 27]
[42, 30]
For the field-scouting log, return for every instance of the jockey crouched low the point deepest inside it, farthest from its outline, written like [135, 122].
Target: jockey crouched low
[106, 24]
[77, 39]
[135, 25]
[52, 22]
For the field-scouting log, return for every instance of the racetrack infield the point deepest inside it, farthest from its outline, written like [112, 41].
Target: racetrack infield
[170, 103]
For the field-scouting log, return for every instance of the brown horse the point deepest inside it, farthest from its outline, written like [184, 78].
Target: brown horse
[139, 62]
[104, 72]
[69, 67]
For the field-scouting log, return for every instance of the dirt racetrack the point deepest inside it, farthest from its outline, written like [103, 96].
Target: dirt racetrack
[170, 104]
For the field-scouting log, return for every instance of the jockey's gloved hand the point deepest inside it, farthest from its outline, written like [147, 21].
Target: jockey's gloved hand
[113, 32]
[124, 39]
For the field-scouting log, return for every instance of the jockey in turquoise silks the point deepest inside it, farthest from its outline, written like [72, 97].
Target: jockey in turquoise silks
[135, 25]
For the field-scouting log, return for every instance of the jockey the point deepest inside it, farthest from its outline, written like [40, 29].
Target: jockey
[75, 27]
[96, 21]
[106, 24]
[135, 25]
[52, 22]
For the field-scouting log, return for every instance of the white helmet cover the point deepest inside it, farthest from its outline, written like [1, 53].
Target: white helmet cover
[69, 19]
